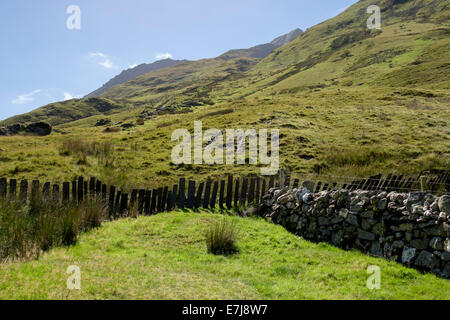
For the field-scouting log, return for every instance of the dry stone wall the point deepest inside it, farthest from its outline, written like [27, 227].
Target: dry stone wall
[412, 228]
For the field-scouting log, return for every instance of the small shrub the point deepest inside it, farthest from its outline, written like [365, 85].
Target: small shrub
[221, 238]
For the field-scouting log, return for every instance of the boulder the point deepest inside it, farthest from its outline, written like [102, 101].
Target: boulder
[39, 128]
[408, 255]
[103, 122]
[444, 204]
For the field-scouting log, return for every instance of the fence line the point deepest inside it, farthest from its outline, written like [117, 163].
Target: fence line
[227, 193]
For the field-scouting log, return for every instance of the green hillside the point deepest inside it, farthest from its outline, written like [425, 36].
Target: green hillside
[347, 101]
[67, 111]
[165, 257]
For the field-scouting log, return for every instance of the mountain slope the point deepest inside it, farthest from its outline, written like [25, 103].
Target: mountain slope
[263, 50]
[66, 111]
[130, 74]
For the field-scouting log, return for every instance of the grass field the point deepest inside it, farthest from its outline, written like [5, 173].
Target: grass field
[165, 257]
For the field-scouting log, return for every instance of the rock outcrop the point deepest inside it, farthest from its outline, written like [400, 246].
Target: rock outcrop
[37, 128]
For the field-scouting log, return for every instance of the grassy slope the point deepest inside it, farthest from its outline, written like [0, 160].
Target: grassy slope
[164, 257]
[380, 104]
[67, 111]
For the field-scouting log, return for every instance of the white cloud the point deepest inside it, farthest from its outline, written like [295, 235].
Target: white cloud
[101, 59]
[25, 98]
[69, 96]
[132, 66]
[162, 56]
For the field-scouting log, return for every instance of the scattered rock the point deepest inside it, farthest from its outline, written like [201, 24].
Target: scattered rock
[103, 122]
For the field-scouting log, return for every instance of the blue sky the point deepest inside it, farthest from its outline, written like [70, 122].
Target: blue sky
[42, 61]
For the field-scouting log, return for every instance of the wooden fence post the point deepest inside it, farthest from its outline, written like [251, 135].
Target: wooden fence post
[160, 199]
[164, 198]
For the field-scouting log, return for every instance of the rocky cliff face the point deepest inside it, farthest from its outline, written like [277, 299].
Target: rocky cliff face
[413, 228]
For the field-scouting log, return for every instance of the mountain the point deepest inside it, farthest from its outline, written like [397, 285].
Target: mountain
[129, 74]
[66, 111]
[263, 50]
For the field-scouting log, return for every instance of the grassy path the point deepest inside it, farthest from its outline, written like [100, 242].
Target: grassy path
[164, 257]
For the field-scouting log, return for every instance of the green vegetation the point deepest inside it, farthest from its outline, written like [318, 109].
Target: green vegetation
[28, 230]
[165, 257]
[347, 102]
[221, 237]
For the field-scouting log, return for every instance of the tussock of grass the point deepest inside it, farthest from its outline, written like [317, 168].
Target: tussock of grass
[221, 237]
[27, 230]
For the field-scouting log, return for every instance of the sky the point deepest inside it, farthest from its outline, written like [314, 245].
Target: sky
[46, 56]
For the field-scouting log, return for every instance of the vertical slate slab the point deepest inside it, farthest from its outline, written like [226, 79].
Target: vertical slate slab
[251, 191]
[244, 192]
[191, 194]
[154, 199]
[236, 193]
[263, 189]
[207, 194]
[221, 193]
[141, 197]
[98, 187]
[46, 191]
[212, 203]
[173, 200]
[271, 182]
[80, 189]
[147, 201]
[92, 187]
[229, 192]
[123, 203]
[112, 194]
[12, 189]
[182, 196]
[23, 190]
[74, 190]
[85, 189]
[258, 190]
[198, 198]
[3, 187]
[160, 199]
[117, 203]
[66, 192]
[104, 192]
[133, 198]
[169, 201]
[35, 189]
[164, 198]
[55, 192]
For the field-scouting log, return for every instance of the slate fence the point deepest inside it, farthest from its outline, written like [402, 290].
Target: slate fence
[227, 193]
